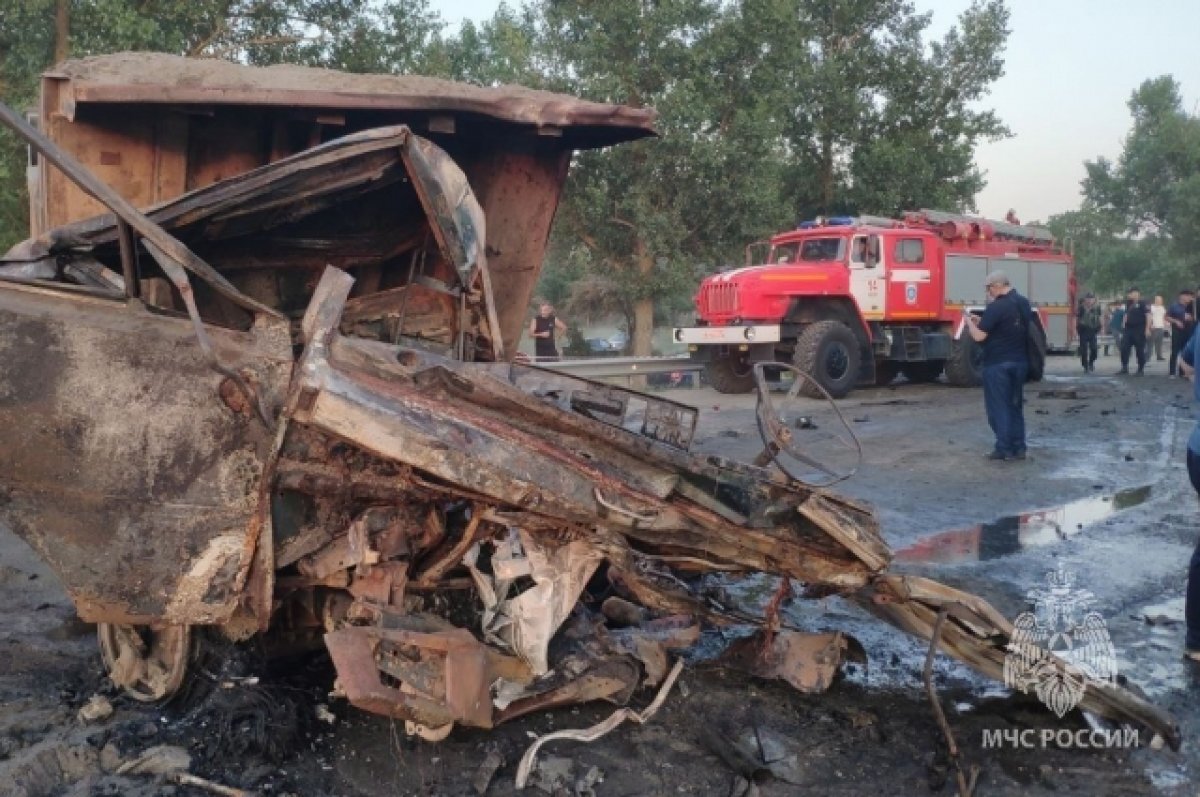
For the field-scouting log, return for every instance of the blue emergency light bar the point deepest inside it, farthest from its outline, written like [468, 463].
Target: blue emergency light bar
[832, 221]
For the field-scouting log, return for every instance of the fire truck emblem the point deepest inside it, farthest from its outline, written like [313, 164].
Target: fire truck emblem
[1054, 650]
[910, 293]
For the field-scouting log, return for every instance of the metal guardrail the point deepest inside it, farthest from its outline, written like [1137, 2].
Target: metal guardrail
[599, 367]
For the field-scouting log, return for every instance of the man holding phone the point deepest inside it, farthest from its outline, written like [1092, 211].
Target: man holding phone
[1002, 333]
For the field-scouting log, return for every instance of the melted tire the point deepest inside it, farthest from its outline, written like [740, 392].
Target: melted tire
[828, 352]
[150, 664]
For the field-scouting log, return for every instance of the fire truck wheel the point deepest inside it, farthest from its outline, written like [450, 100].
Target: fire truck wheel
[828, 352]
[730, 374]
[965, 366]
[927, 371]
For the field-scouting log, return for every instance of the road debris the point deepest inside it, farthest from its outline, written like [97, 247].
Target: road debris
[966, 782]
[599, 729]
[97, 709]
[808, 662]
[159, 760]
[188, 779]
[488, 768]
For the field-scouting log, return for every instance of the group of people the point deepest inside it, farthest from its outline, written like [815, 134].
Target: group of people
[1140, 328]
[1136, 328]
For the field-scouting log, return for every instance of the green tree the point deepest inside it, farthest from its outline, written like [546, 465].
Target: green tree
[1154, 186]
[653, 215]
[883, 120]
[501, 50]
[1140, 217]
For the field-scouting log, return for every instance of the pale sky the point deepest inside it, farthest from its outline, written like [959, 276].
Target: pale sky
[1070, 67]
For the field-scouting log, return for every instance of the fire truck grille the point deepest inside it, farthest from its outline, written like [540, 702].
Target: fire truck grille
[720, 298]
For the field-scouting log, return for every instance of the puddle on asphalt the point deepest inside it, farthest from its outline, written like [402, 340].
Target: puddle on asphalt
[1014, 533]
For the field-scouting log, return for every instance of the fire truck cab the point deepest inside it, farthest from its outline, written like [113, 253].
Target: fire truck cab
[859, 300]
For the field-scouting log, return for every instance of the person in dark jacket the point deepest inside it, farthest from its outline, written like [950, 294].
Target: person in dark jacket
[1087, 326]
[1135, 331]
[1181, 322]
[1191, 608]
[1003, 333]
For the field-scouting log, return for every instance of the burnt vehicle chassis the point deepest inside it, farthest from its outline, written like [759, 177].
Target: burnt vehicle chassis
[185, 452]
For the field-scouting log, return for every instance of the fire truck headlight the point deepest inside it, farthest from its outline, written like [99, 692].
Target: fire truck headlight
[749, 333]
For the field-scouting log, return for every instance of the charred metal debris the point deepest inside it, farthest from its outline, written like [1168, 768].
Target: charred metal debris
[206, 426]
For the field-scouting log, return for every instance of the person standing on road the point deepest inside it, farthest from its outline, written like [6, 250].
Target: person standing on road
[1087, 325]
[1116, 320]
[1187, 367]
[1182, 322]
[542, 328]
[1002, 332]
[1135, 330]
[1158, 326]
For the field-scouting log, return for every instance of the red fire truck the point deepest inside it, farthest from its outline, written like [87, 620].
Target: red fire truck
[859, 300]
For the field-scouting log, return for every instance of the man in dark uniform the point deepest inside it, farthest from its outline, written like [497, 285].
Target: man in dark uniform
[1087, 325]
[1181, 321]
[542, 328]
[1003, 333]
[1135, 332]
[1191, 608]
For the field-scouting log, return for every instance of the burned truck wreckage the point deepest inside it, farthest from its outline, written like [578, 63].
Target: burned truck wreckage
[282, 406]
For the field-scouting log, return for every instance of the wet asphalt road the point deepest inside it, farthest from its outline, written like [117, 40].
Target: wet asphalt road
[1104, 496]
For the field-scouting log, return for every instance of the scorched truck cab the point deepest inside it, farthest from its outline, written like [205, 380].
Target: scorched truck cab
[858, 300]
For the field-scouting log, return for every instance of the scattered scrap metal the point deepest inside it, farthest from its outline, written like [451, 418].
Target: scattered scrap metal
[471, 539]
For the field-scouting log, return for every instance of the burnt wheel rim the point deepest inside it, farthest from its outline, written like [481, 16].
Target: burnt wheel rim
[837, 361]
[148, 662]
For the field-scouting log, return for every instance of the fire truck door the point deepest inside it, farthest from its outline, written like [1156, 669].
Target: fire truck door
[868, 275]
[912, 293]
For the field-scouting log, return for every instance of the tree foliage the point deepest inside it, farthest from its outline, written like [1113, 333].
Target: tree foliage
[1140, 218]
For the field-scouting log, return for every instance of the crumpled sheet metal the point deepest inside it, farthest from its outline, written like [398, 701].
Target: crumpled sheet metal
[539, 466]
[807, 661]
[450, 666]
[527, 622]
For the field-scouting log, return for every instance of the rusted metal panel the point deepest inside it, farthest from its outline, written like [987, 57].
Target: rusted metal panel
[498, 138]
[159, 78]
[519, 193]
[122, 467]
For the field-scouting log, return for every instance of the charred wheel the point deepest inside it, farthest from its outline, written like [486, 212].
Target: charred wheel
[828, 352]
[149, 662]
[965, 366]
[730, 373]
[925, 371]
